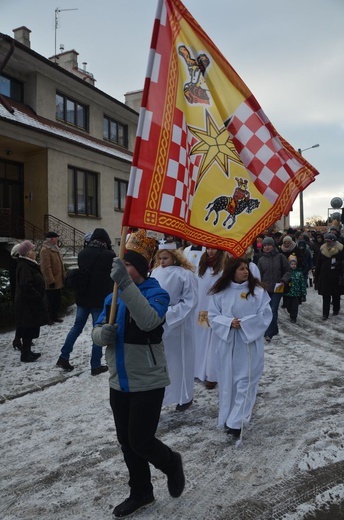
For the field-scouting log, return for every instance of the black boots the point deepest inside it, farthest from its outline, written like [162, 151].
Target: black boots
[132, 504]
[176, 478]
[17, 344]
[27, 356]
[99, 370]
[64, 363]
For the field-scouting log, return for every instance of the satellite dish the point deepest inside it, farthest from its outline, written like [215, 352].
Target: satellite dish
[336, 202]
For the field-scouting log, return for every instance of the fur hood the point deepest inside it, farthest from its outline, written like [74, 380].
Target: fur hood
[335, 249]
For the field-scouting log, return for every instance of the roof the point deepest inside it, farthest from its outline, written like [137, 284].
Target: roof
[24, 116]
[61, 70]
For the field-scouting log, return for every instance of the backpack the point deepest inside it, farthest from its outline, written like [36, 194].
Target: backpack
[77, 279]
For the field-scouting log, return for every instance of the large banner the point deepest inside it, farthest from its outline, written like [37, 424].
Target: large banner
[208, 164]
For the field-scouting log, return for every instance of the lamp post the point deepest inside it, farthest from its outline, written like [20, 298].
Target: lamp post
[301, 192]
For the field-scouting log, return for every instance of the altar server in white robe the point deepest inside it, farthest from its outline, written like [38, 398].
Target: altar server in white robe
[175, 274]
[193, 254]
[239, 313]
[209, 270]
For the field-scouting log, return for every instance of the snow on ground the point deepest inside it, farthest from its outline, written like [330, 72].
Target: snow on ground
[60, 458]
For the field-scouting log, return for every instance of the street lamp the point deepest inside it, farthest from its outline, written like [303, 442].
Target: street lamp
[301, 192]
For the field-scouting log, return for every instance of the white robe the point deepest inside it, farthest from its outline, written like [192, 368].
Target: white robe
[254, 270]
[205, 360]
[240, 352]
[193, 255]
[178, 337]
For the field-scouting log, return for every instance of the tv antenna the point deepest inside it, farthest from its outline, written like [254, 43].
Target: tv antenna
[57, 12]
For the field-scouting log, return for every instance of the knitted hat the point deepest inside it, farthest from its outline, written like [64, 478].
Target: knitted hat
[330, 237]
[87, 237]
[25, 247]
[14, 250]
[292, 259]
[138, 261]
[268, 241]
[139, 251]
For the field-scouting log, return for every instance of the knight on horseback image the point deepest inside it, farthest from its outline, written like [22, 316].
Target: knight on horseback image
[239, 202]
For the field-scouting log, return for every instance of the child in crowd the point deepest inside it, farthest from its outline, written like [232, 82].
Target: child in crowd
[297, 289]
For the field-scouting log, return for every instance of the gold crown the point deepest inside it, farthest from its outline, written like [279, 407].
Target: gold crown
[142, 244]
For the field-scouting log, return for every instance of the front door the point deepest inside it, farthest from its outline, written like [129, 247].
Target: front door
[11, 199]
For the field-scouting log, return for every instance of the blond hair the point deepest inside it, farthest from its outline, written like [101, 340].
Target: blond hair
[178, 257]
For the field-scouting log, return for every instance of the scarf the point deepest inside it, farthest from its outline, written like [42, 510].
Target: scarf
[288, 249]
[211, 261]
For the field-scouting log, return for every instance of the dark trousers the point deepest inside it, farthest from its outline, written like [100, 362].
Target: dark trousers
[327, 302]
[292, 305]
[54, 302]
[136, 417]
[272, 329]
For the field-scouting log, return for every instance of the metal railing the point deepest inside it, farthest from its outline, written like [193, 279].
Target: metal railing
[15, 226]
[70, 237]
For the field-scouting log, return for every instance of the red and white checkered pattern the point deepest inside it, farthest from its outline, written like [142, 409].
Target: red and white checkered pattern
[268, 162]
[182, 171]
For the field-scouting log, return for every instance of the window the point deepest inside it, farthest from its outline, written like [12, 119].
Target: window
[82, 192]
[11, 88]
[72, 112]
[115, 132]
[121, 188]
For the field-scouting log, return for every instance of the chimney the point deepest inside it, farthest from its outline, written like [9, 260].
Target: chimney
[22, 35]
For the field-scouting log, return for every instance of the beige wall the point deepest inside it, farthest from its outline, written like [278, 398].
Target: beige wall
[107, 168]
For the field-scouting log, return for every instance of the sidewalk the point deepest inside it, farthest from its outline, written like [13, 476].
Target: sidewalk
[18, 379]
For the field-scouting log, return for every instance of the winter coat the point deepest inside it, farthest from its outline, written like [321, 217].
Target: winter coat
[139, 365]
[274, 268]
[52, 266]
[328, 269]
[97, 260]
[316, 249]
[297, 284]
[30, 299]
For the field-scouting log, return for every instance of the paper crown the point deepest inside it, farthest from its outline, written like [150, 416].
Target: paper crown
[167, 245]
[142, 244]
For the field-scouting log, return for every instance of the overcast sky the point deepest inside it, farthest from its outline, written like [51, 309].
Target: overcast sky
[289, 54]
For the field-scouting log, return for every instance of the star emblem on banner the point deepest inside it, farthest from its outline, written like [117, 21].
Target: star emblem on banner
[215, 145]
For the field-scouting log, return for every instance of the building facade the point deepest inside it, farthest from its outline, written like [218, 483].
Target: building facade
[65, 146]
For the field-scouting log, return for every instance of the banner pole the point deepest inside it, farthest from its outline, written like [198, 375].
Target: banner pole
[115, 286]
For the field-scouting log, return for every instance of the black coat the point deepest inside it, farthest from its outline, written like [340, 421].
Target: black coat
[97, 259]
[30, 303]
[328, 269]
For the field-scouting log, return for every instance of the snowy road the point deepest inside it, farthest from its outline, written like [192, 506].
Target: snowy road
[60, 459]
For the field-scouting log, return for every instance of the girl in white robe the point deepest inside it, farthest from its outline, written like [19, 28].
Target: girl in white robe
[209, 270]
[239, 313]
[175, 275]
